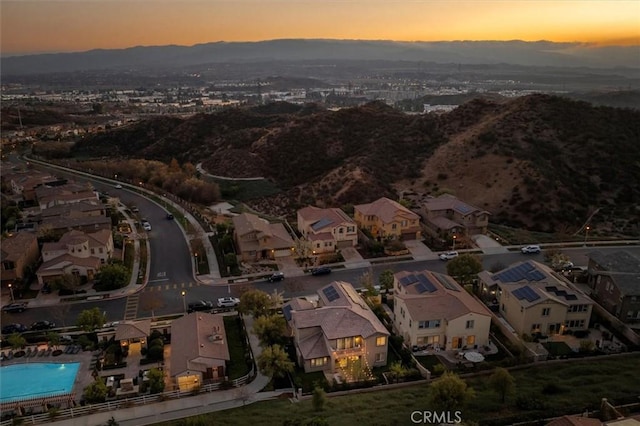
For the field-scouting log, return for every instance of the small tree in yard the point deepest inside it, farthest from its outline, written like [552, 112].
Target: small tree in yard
[274, 362]
[464, 268]
[502, 382]
[255, 302]
[386, 279]
[319, 399]
[96, 392]
[17, 341]
[449, 393]
[156, 380]
[54, 339]
[396, 370]
[112, 277]
[270, 329]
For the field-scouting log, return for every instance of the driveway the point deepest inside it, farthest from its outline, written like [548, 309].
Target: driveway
[488, 245]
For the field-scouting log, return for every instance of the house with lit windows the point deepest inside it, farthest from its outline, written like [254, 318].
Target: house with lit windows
[340, 335]
[386, 218]
[432, 310]
[327, 230]
[533, 299]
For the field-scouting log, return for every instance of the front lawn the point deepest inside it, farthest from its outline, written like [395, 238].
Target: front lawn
[238, 365]
[542, 391]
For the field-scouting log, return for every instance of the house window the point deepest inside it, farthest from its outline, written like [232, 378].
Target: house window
[93, 251]
[380, 357]
[410, 323]
[546, 312]
[429, 324]
[428, 340]
[317, 245]
[8, 266]
[535, 328]
[381, 341]
[469, 324]
[630, 314]
[575, 324]
[345, 343]
[100, 250]
[341, 231]
[351, 229]
[319, 362]
[394, 226]
[471, 340]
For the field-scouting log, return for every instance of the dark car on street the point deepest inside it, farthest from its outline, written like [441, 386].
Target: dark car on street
[15, 307]
[43, 325]
[14, 328]
[276, 276]
[323, 270]
[200, 305]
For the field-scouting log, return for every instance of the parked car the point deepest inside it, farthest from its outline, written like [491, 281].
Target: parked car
[15, 307]
[43, 325]
[169, 216]
[200, 305]
[134, 209]
[323, 270]
[449, 255]
[276, 276]
[146, 226]
[228, 302]
[118, 186]
[530, 249]
[14, 328]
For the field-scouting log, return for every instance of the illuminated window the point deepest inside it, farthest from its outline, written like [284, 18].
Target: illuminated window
[381, 341]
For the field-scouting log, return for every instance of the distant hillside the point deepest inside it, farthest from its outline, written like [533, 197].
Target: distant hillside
[540, 161]
[541, 53]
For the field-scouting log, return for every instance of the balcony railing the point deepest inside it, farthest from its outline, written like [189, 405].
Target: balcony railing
[351, 351]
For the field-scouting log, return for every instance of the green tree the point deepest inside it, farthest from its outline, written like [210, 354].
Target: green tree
[274, 362]
[17, 341]
[319, 398]
[54, 339]
[386, 279]
[69, 282]
[112, 277]
[449, 393]
[255, 302]
[96, 392]
[464, 268]
[91, 319]
[156, 380]
[270, 329]
[502, 382]
[397, 370]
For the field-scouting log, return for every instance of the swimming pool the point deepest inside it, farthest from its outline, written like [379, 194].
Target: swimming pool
[25, 381]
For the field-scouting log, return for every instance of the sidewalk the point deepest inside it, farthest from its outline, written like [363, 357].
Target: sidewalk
[189, 405]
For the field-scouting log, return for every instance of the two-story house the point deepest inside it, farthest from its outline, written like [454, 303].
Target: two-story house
[75, 253]
[447, 215]
[615, 279]
[432, 309]
[257, 239]
[18, 251]
[327, 230]
[534, 299]
[339, 336]
[387, 218]
[70, 193]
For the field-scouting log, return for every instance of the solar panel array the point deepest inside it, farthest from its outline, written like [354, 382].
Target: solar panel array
[446, 283]
[408, 280]
[464, 208]
[561, 293]
[286, 311]
[525, 271]
[331, 293]
[527, 293]
[425, 284]
[321, 224]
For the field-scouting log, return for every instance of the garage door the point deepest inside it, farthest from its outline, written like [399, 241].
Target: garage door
[282, 253]
[344, 244]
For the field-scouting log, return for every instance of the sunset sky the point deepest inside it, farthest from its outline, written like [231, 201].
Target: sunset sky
[37, 26]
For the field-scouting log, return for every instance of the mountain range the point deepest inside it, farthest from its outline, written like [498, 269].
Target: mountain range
[540, 53]
[542, 162]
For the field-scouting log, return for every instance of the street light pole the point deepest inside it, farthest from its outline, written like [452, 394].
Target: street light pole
[454, 243]
[197, 267]
[11, 291]
[586, 235]
[184, 302]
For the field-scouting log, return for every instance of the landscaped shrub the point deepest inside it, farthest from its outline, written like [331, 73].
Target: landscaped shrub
[156, 353]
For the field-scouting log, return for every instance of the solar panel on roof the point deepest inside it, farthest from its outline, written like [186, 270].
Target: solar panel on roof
[321, 224]
[426, 283]
[551, 288]
[464, 209]
[446, 283]
[536, 276]
[412, 278]
[519, 294]
[331, 294]
[420, 288]
[286, 311]
[405, 281]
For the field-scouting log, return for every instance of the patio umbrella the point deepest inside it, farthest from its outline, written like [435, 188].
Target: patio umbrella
[474, 356]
